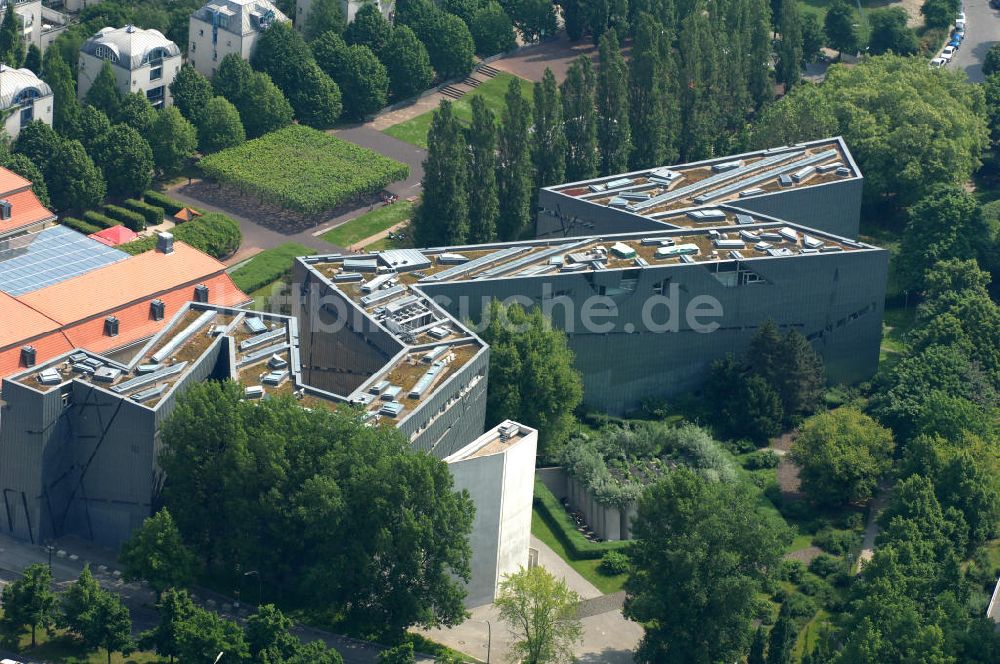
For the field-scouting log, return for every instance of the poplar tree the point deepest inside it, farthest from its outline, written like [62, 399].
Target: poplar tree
[103, 93]
[484, 205]
[697, 71]
[580, 120]
[613, 133]
[11, 39]
[65, 107]
[759, 52]
[514, 170]
[647, 107]
[549, 144]
[789, 66]
[443, 215]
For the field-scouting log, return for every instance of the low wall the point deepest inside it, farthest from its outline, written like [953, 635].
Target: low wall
[609, 522]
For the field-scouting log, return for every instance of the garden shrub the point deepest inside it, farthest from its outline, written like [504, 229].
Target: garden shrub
[170, 205]
[760, 460]
[152, 214]
[214, 233]
[132, 220]
[792, 570]
[98, 219]
[140, 246]
[825, 565]
[837, 542]
[78, 225]
[614, 563]
[799, 605]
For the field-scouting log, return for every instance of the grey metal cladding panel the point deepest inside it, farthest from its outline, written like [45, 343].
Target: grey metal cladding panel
[461, 422]
[834, 207]
[584, 219]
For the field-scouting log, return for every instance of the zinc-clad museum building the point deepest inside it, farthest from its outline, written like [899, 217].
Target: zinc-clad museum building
[653, 275]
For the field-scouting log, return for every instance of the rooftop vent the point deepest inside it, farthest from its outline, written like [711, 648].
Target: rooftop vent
[157, 309]
[5, 210]
[201, 293]
[28, 356]
[165, 243]
[111, 326]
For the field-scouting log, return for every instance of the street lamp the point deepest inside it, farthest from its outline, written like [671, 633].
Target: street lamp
[260, 585]
[489, 638]
[218, 657]
[49, 549]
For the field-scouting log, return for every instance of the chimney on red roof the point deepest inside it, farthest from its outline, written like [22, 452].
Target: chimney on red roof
[165, 243]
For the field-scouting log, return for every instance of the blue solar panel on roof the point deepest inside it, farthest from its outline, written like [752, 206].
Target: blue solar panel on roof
[34, 261]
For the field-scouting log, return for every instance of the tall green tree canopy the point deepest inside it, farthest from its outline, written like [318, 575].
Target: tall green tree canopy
[324, 16]
[136, 112]
[156, 553]
[614, 136]
[220, 126]
[484, 204]
[492, 30]
[174, 608]
[549, 144]
[77, 184]
[532, 378]
[29, 600]
[126, 161]
[577, 92]
[839, 26]
[407, 63]
[540, 611]
[515, 171]
[173, 140]
[382, 536]
[443, 215]
[888, 31]
[103, 93]
[191, 92]
[700, 555]
[369, 28]
[12, 40]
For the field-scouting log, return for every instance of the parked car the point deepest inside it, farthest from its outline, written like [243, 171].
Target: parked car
[995, 4]
[960, 25]
[960, 17]
[955, 43]
[937, 63]
[961, 35]
[948, 53]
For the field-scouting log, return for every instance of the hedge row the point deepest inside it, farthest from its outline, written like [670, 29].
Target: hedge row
[171, 205]
[98, 219]
[268, 266]
[132, 220]
[560, 522]
[215, 234]
[140, 246]
[81, 226]
[151, 213]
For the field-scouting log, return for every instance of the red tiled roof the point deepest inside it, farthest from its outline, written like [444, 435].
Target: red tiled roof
[115, 235]
[25, 208]
[71, 314]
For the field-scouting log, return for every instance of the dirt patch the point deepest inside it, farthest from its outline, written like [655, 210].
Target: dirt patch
[254, 208]
[805, 555]
[784, 441]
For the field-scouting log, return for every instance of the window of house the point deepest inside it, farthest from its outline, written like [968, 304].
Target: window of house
[27, 115]
[156, 73]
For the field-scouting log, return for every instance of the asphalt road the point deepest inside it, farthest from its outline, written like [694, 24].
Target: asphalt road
[982, 30]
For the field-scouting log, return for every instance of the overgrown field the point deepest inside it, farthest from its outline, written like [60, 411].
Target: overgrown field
[302, 169]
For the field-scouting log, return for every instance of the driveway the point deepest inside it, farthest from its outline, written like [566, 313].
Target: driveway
[981, 32]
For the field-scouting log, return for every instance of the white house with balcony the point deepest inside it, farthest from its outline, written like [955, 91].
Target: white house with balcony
[142, 61]
[228, 26]
[348, 8]
[23, 97]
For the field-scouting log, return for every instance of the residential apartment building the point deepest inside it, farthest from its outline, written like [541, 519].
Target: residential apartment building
[142, 61]
[348, 8]
[23, 97]
[228, 26]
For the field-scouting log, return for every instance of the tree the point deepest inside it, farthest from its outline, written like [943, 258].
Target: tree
[284, 56]
[38, 142]
[789, 66]
[263, 108]
[697, 75]
[515, 175]
[580, 117]
[782, 638]
[946, 223]
[748, 407]
[77, 601]
[205, 634]
[450, 46]
[549, 145]
[614, 138]
[401, 654]
[173, 140]
[407, 63]
[648, 95]
[65, 106]
[532, 378]
[484, 204]
[492, 30]
[700, 556]
[12, 40]
[839, 26]
[315, 653]
[174, 608]
[29, 601]
[267, 636]
[191, 93]
[33, 60]
[27, 169]
[136, 112]
[108, 625]
[991, 64]
[535, 19]
[791, 367]
[443, 215]
[812, 38]
[889, 32]
[220, 126]
[103, 93]
[369, 28]
[156, 553]
[324, 16]
[841, 456]
[540, 611]
[757, 648]
[938, 13]
[126, 160]
[232, 78]
[77, 184]
[363, 80]
[970, 483]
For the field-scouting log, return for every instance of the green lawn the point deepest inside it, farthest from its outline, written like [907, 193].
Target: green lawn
[369, 224]
[588, 569]
[415, 129]
[268, 266]
[64, 648]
